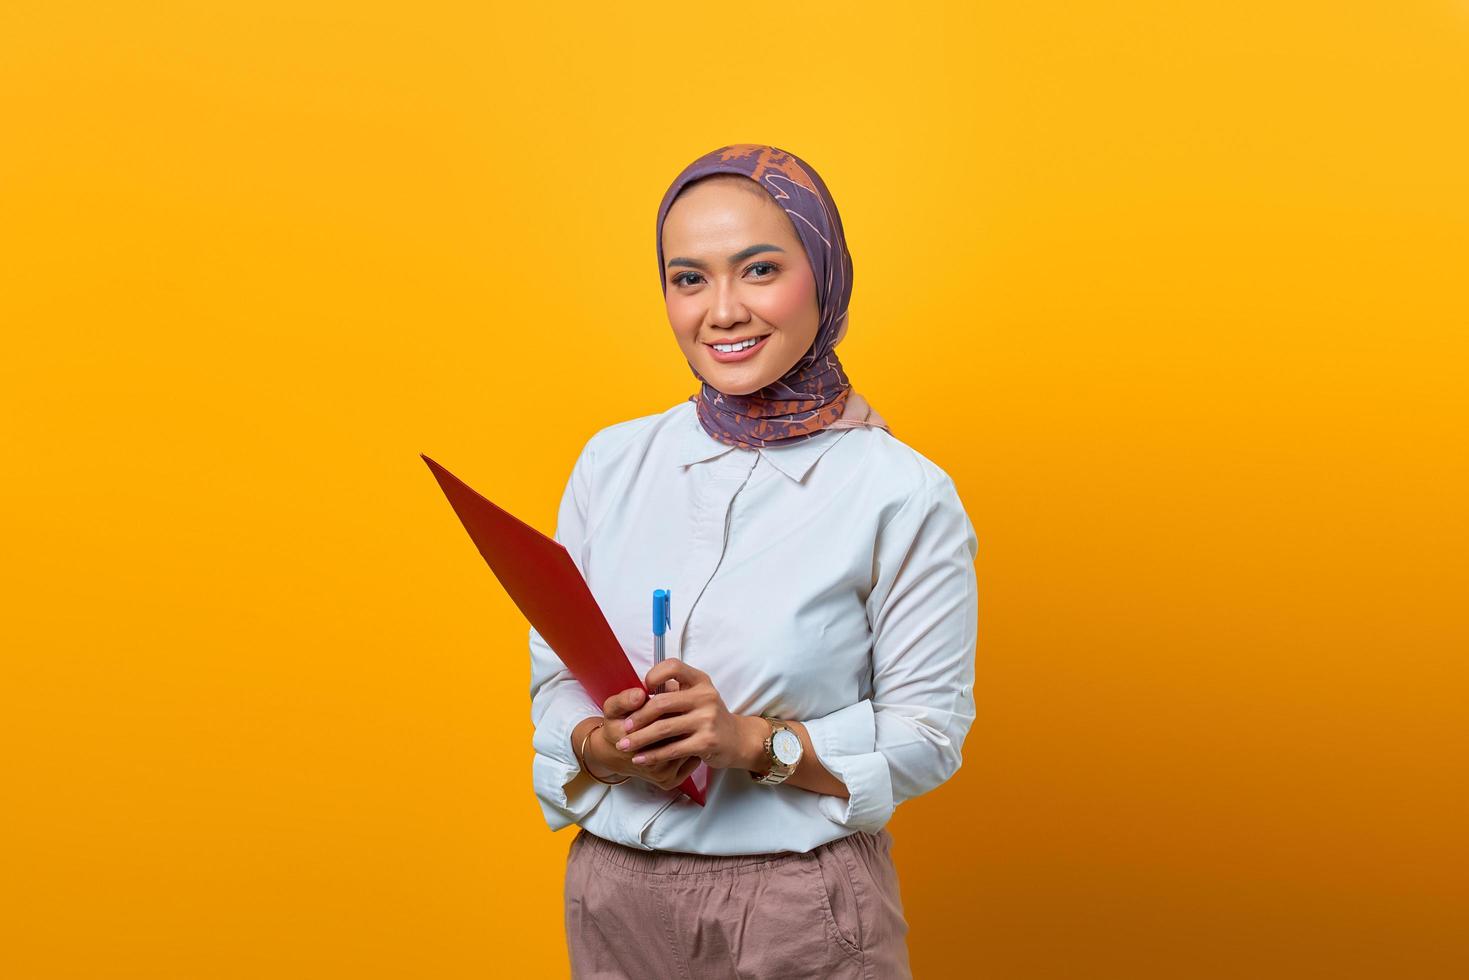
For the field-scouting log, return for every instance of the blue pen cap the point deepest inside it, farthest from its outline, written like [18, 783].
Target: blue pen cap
[662, 611]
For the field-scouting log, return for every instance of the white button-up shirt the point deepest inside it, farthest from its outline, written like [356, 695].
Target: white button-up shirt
[830, 582]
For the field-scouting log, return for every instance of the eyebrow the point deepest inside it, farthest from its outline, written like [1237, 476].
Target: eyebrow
[743, 253]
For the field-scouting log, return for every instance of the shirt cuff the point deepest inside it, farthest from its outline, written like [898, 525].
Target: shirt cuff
[846, 744]
[566, 793]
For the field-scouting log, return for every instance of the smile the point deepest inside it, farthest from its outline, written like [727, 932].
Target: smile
[740, 351]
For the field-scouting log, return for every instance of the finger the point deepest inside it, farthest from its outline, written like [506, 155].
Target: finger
[689, 745]
[670, 669]
[669, 768]
[622, 703]
[657, 731]
[675, 771]
[670, 777]
[658, 706]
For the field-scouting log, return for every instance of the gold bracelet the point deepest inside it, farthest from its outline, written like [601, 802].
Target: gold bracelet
[581, 757]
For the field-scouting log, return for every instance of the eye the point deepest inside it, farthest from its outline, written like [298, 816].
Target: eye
[680, 280]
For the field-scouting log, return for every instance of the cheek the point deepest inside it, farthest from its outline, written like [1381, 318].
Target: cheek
[684, 318]
[792, 302]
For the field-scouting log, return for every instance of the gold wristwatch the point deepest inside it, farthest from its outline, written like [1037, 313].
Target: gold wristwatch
[782, 753]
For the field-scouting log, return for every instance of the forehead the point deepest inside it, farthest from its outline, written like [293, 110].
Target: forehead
[715, 214]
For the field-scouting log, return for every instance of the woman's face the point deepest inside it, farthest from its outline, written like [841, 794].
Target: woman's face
[736, 271]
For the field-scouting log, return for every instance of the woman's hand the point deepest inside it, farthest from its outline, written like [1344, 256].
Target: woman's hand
[691, 721]
[603, 755]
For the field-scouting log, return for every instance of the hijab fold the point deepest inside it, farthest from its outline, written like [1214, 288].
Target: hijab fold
[815, 393]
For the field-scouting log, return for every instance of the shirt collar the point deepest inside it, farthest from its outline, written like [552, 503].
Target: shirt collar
[794, 460]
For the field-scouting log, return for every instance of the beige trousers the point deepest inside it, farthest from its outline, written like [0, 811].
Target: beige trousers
[833, 912]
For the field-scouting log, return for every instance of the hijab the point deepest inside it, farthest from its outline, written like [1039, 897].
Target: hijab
[815, 393]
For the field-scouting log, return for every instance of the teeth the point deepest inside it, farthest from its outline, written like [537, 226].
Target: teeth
[731, 348]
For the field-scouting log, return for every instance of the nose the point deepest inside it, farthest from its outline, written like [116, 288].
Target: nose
[725, 308]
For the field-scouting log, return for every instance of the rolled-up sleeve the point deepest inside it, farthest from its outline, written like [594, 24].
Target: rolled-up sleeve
[923, 609]
[558, 701]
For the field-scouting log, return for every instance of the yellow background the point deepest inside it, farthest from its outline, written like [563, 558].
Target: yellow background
[1176, 292]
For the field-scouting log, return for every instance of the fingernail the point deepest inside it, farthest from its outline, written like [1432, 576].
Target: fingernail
[639, 759]
[625, 743]
[627, 724]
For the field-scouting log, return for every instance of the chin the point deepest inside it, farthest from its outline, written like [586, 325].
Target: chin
[732, 379]
[737, 389]
[729, 386]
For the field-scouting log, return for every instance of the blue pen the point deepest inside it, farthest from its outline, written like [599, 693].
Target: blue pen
[662, 619]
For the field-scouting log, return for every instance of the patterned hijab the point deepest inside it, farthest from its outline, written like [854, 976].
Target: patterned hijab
[815, 393]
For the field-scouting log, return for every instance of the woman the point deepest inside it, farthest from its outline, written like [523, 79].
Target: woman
[821, 649]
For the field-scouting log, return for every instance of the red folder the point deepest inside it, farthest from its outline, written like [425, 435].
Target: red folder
[543, 581]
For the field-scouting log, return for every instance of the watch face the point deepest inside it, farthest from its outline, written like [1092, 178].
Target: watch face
[787, 746]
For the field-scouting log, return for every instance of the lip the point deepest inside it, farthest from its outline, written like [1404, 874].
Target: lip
[741, 355]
